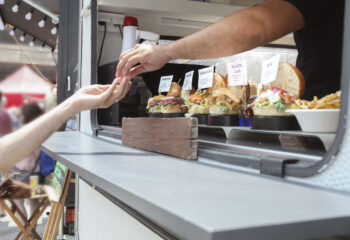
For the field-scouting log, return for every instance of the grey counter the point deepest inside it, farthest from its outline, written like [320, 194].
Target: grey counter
[197, 201]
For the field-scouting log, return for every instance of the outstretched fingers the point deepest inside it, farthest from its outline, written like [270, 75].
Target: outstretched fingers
[121, 92]
[108, 93]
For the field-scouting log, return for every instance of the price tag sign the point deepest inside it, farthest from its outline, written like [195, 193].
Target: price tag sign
[237, 73]
[165, 83]
[269, 69]
[205, 77]
[188, 81]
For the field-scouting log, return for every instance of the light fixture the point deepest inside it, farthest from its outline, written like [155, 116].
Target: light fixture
[28, 16]
[54, 20]
[41, 48]
[42, 22]
[23, 37]
[2, 2]
[37, 6]
[12, 32]
[54, 30]
[31, 43]
[15, 8]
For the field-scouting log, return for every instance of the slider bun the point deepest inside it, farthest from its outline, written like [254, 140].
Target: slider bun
[175, 90]
[270, 111]
[226, 92]
[176, 108]
[290, 79]
[158, 97]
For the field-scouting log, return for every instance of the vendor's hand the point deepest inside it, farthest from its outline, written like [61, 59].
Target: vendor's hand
[149, 58]
[100, 96]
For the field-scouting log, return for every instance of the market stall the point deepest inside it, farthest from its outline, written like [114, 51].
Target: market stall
[271, 178]
[24, 85]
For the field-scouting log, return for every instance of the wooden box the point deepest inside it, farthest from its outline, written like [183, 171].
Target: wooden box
[173, 136]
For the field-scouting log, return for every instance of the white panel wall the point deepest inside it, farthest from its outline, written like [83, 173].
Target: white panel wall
[99, 218]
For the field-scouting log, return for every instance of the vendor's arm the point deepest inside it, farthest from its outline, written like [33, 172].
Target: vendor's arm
[241, 31]
[19, 144]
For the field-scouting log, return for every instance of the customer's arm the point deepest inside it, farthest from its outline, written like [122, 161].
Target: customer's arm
[241, 31]
[19, 144]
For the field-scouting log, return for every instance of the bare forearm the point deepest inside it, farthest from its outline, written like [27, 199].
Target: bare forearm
[226, 37]
[239, 32]
[21, 143]
[18, 145]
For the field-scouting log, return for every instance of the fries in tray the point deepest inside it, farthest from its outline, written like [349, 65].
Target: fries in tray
[331, 101]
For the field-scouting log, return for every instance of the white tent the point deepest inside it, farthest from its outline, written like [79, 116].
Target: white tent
[23, 81]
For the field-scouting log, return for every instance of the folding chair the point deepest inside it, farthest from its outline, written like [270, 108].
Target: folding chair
[28, 227]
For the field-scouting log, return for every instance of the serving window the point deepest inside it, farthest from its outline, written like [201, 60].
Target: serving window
[279, 152]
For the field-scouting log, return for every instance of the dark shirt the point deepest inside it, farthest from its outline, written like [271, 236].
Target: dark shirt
[319, 45]
[5, 122]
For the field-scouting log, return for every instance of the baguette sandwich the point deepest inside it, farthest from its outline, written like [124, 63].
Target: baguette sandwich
[288, 86]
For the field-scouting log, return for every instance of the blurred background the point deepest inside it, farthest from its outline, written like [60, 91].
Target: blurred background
[28, 52]
[28, 74]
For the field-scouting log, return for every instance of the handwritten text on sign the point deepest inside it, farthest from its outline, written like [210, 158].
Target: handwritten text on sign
[237, 73]
[165, 83]
[269, 69]
[188, 81]
[205, 77]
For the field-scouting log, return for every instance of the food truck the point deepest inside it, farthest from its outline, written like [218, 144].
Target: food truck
[244, 182]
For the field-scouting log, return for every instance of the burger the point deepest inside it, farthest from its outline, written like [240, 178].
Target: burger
[223, 101]
[171, 103]
[153, 105]
[198, 103]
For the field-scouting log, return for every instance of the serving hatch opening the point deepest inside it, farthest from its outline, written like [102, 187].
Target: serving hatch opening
[297, 153]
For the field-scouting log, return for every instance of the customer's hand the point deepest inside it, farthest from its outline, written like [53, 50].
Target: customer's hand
[100, 96]
[89, 97]
[149, 58]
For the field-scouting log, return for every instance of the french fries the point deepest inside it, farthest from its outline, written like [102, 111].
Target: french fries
[330, 101]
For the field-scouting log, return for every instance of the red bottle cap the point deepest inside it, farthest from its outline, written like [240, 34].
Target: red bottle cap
[130, 21]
